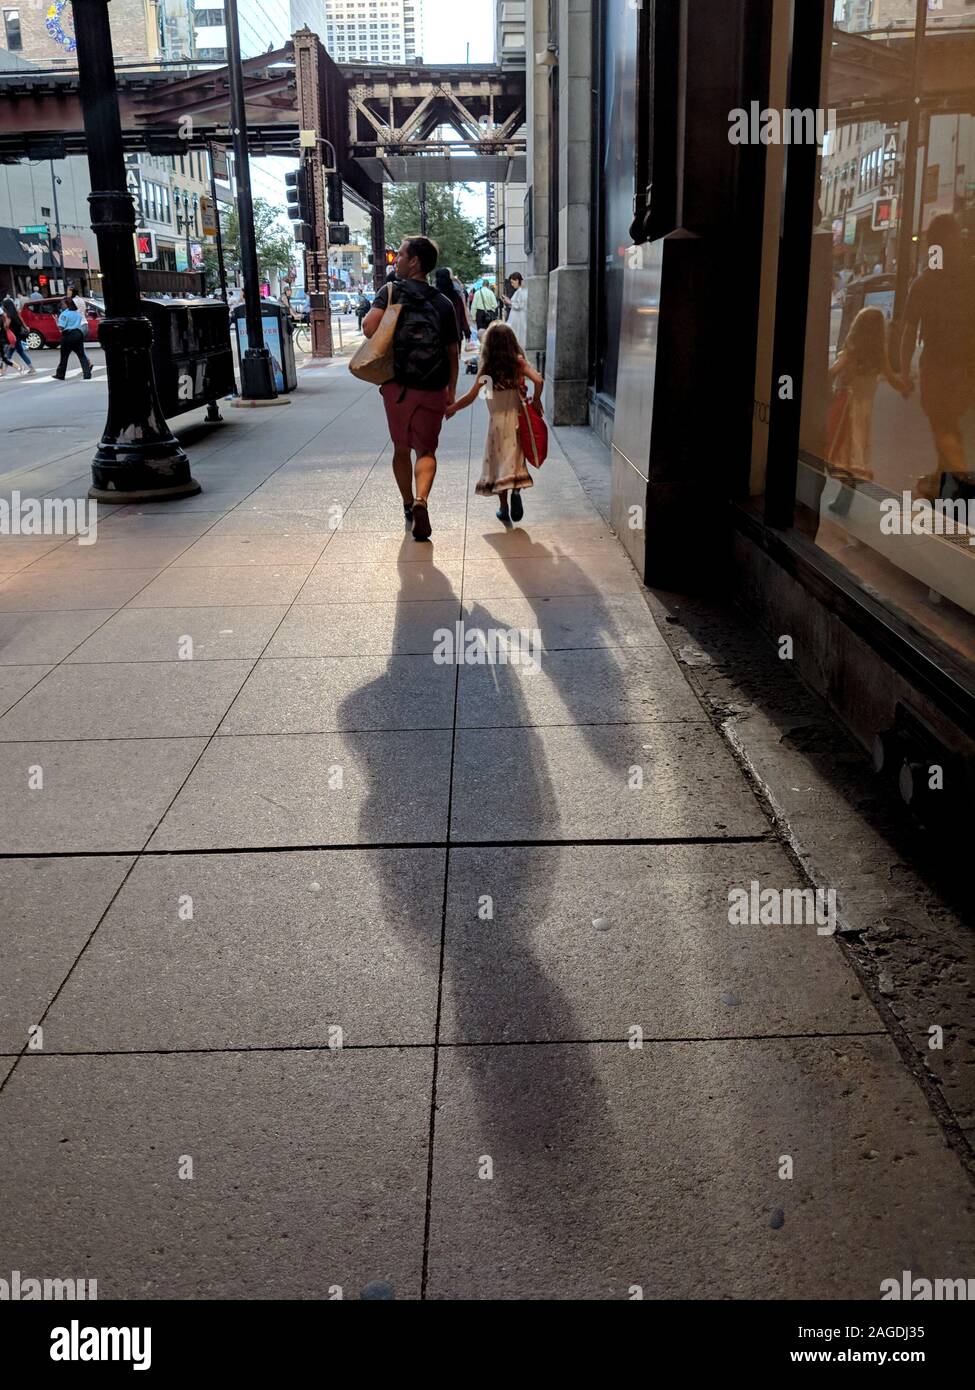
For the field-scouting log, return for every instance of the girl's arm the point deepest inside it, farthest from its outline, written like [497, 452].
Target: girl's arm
[537, 381]
[899, 383]
[464, 401]
[837, 366]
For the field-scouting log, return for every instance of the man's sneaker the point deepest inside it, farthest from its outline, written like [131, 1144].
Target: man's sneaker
[517, 508]
[421, 521]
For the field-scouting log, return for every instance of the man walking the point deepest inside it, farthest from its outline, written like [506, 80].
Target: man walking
[485, 306]
[426, 354]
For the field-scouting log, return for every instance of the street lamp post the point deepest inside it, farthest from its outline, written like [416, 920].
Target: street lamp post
[138, 458]
[256, 367]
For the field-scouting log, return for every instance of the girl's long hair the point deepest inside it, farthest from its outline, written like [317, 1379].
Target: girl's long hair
[866, 342]
[499, 357]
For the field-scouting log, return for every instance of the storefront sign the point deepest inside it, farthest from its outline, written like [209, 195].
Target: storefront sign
[208, 214]
[218, 160]
[884, 214]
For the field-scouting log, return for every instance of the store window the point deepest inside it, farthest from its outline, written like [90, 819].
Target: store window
[886, 472]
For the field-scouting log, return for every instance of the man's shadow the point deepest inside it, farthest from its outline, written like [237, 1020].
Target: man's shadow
[495, 989]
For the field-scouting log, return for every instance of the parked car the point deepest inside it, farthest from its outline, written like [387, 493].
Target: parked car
[41, 321]
[341, 303]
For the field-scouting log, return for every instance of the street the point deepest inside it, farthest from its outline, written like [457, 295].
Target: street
[335, 963]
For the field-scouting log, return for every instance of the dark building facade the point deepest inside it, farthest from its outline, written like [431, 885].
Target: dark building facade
[777, 279]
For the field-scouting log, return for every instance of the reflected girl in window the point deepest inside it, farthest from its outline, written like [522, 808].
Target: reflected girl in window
[855, 374]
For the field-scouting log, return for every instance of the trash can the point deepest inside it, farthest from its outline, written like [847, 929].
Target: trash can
[278, 339]
[192, 358]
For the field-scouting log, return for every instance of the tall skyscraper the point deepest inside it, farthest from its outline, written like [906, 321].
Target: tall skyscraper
[374, 31]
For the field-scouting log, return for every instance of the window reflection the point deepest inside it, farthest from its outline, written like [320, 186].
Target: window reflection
[889, 383]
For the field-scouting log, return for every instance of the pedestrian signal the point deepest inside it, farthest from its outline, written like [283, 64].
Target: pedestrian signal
[390, 256]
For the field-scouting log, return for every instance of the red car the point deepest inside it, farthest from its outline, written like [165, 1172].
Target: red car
[41, 321]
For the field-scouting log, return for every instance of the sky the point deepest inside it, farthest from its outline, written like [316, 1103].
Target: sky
[445, 40]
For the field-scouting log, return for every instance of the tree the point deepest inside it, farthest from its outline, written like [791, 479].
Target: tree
[447, 225]
[275, 247]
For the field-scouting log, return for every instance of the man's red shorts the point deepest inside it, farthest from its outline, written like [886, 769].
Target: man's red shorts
[415, 420]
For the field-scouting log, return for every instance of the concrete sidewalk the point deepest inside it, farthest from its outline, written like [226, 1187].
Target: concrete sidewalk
[354, 966]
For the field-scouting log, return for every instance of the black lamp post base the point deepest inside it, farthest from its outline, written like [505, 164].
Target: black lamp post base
[257, 375]
[155, 472]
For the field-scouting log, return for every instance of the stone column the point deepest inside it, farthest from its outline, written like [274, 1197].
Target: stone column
[567, 335]
[537, 174]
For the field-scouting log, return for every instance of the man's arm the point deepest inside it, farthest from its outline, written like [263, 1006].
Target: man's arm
[371, 321]
[454, 351]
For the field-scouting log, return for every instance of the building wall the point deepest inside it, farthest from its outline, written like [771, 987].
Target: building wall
[135, 33]
[374, 31]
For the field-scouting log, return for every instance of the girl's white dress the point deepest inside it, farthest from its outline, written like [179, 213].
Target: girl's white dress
[504, 459]
[518, 318]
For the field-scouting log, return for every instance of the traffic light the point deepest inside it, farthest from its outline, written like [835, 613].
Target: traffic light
[301, 203]
[333, 184]
[390, 256]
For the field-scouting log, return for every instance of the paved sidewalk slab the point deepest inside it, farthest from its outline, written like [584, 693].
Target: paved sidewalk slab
[363, 629]
[165, 699]
[621, 685]
[45, 637]
[577, 784]
[36, 593]
[50, 908]
[309, 1171]
[280, 950]
[158, 634]
[663, 956]
[96, 795]
[303, 695]
[660, 1168]
[15, 681]
[264, 790]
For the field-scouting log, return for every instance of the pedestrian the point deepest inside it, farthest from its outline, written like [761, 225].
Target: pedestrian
[35, 293]
[14, 324]
[426, 356]
[485, 306]
[941, 303]
[502, 374]
[82, 304]
[518, 314]
[445, 283]
[362, 308]
[855, 375]
[71, 324]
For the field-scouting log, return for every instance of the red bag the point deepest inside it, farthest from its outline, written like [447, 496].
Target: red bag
[532, 433]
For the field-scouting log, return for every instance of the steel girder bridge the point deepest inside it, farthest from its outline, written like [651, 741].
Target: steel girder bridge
[370, 124]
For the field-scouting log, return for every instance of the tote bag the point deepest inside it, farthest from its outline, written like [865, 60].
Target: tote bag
[532, 433]
[373, 358]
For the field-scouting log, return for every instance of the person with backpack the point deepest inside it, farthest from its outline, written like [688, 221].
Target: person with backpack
[426, 356]
[485, 306]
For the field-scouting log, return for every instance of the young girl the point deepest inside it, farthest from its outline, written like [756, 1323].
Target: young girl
[855, 373]
[504, 372]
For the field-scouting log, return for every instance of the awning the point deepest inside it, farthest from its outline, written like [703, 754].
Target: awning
[76, 254]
